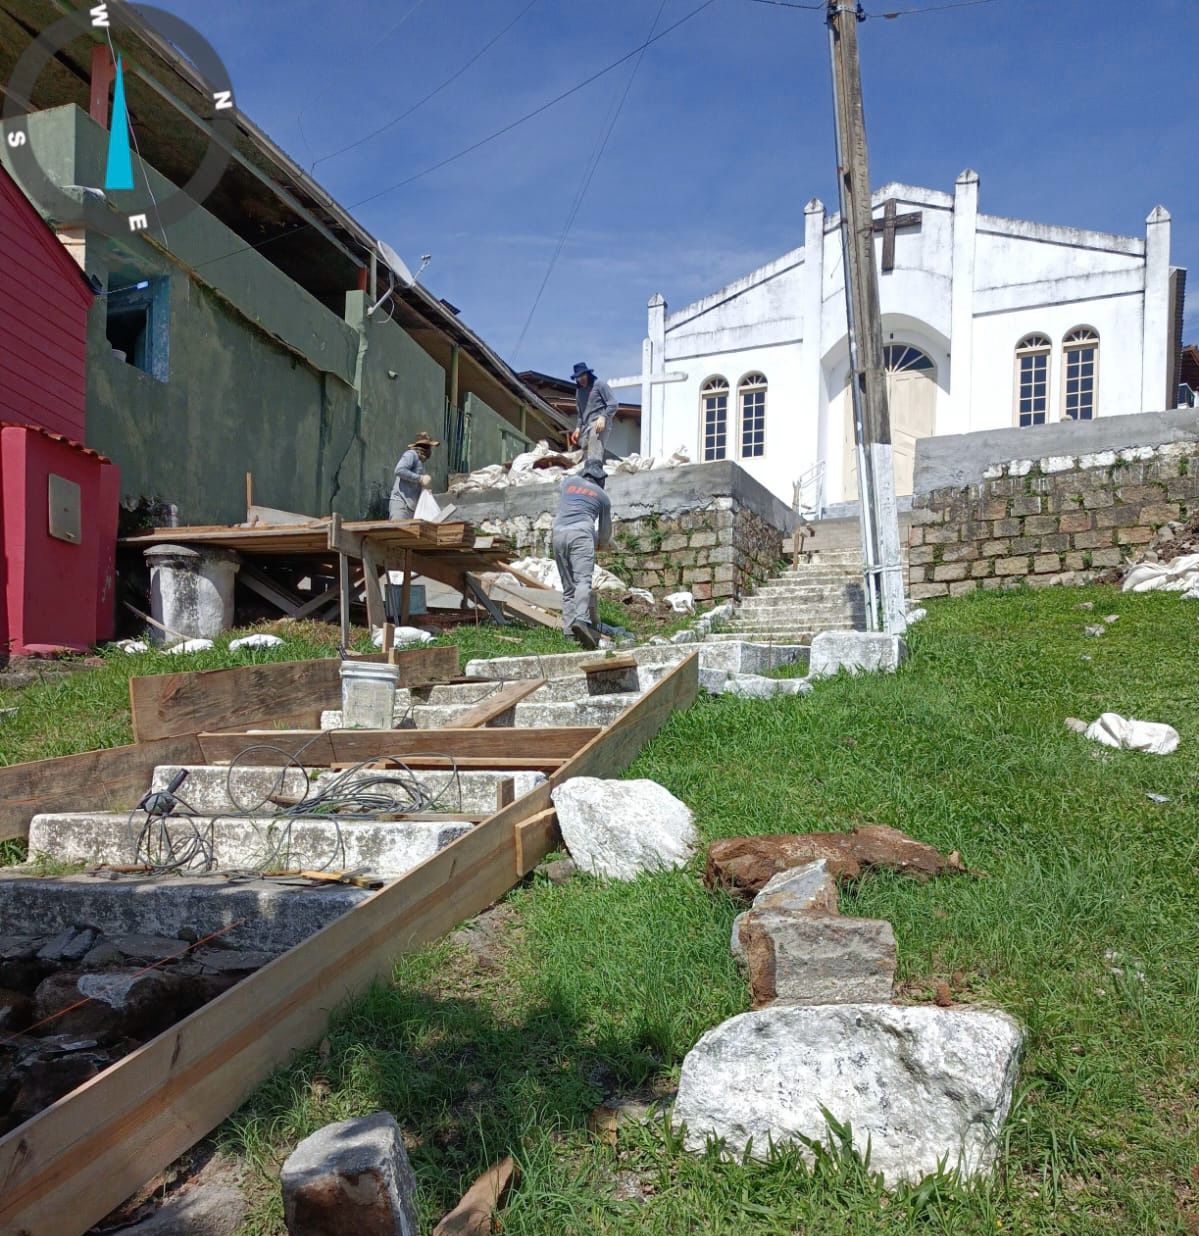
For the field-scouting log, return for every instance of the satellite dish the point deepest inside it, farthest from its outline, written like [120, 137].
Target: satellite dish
[393, 259]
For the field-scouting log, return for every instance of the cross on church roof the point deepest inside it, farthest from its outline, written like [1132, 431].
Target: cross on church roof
[888, 225]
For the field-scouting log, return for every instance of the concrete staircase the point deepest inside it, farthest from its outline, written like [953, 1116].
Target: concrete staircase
[822, 591]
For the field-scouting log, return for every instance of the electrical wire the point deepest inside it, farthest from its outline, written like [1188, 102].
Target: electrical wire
[932, 8]
[466, 150]
[585, 183]
[786, 4]
[449, 81]
[374, 47]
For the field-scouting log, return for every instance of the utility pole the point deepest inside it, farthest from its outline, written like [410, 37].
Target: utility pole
[883, 575]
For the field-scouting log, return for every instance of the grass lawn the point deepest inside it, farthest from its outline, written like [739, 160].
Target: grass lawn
[1083, 926]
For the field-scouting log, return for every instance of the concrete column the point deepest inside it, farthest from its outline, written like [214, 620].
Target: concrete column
[653, 361]
[1155, 344]
[810, 404]
[191, 590]
[961, 331]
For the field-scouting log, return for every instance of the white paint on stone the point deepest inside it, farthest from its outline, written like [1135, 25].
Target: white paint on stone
[758, 687]
[1019, 467]
[1097, 459]
[922, 1084]
[620, 829]
[856, 651]
[1058, 463]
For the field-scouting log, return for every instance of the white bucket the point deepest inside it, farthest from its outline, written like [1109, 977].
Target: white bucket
[368, 695]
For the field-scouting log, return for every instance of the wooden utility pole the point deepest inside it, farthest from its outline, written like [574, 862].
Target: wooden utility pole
[885, 605]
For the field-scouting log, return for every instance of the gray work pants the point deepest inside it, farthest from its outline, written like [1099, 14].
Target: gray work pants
[574, 552]
[594, 443]
[400, 507]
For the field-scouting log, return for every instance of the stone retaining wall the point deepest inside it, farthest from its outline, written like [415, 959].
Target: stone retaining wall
[715, 551]
[1063, 519]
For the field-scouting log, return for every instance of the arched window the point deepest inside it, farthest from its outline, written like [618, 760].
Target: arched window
[751, 396]
[714, 418]
[1080, 369]
[1032, 380]
[903, 358]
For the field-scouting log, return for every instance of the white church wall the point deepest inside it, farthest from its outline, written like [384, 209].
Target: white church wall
[789, 439]
[1117, 320]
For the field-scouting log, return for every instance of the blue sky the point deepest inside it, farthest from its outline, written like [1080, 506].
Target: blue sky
[1073, 111]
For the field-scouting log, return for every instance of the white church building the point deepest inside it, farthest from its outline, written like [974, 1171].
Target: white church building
[987, 322]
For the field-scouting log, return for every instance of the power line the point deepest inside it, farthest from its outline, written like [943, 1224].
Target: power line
[491, 137]
[432, 93]
[585, 184]
[932, 8]
[375, 46]
[786, 4]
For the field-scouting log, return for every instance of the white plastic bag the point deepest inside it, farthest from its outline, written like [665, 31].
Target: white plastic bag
[426, 507]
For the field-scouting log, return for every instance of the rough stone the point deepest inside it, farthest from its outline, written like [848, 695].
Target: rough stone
[70, 945]
[816, 958]
[115, 1003]
[622, 828]
[16, 1011]
[758, 687]
[147, 948]
[232, 961]
[351, 1179]
[855, 651]
[206, 1210]
[51, 1067]
[559, 871]
[810, 887]
[921, 1084]
[743, 865]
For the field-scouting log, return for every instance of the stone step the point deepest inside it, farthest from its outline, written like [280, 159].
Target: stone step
[783, 599]
[241, 843]
[270, 916]
[795, 622]
[589, 710]
[208, 786]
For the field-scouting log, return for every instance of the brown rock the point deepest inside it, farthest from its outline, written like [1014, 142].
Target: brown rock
[109, 1004]
[743, 865]
[49, 1068]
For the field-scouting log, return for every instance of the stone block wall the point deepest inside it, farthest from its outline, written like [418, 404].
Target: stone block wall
[1064, 519]
[717, 551]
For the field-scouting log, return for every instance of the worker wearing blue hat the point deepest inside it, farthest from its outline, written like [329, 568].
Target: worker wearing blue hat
[597, 410]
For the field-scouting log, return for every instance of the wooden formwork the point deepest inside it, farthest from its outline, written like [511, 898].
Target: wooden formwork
[70, 1165]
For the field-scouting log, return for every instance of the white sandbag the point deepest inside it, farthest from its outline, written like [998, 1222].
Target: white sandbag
[133, 646]
[426, 507]
[1152, 737]
[681, 602]
[260, 639]
[1181, 575]
[191, 645]
[402, 636]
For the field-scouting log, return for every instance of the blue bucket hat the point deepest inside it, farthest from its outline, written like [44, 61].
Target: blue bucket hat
[580, 369]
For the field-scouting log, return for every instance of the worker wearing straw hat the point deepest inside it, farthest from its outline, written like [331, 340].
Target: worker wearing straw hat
[411, 477]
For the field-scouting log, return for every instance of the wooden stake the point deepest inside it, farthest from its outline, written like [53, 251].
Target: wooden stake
[249, 494]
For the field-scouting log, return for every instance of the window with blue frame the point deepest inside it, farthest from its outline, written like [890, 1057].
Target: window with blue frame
[137, 325]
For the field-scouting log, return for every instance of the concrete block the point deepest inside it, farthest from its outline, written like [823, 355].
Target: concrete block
[241, 843]
[856, 650]
[273, 917]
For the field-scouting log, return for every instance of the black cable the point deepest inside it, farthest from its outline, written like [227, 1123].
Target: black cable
[932, 8]
[785, 4]
[435, 167]
[585, 185]
[449, 81]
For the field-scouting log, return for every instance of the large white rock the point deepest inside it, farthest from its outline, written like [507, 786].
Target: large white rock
[622, 828]
[922, 1084]
[856, 651]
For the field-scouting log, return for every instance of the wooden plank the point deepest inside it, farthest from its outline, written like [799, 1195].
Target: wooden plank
[535, 838]
[496, 705]
[611, 663]
[318, 747]
[185, 703]
[479, 593]
[74, 1162]
[272, 515]
[529, 614]
[544, 598]
[406, 590]
[109, 780]
[317, 603]
[374, 595]
[249, 576]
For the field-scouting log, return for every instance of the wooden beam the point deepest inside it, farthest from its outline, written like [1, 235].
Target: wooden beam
[103, 73]
[164, 705]
[321, 747]
[406, 590]
[274, 517]
[535, 838]
[249, 576]
[531, 615]
[543, 598]
[493, 706]
[318, 602]
[475, 588]
[70, 1165]
[375, 615]
[109, 780]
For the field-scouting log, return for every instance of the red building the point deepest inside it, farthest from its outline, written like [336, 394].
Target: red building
[58, 500]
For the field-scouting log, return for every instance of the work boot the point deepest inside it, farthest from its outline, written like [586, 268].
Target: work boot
[585, 634]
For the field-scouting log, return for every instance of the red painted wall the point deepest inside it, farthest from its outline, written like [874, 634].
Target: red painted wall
[52, 599]
[43, 322]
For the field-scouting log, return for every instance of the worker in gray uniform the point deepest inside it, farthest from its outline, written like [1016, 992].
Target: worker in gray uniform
[411, 477]
[583, 522]
[597, 411]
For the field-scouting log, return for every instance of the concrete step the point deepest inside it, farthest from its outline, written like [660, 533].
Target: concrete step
[795, 622]
[833, 596]
[271, 916]
[211, 788]
[596, 710]
[242, 843]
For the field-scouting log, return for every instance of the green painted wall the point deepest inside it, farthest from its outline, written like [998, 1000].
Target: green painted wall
[492, 439]
[260, 376]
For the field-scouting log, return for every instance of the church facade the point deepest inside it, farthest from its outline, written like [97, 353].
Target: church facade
[988, 323]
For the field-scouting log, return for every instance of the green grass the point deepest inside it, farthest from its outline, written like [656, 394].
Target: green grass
[602, 988]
